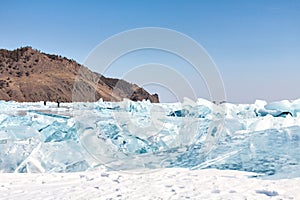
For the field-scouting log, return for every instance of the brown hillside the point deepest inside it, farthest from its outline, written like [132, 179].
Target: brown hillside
[28, 75]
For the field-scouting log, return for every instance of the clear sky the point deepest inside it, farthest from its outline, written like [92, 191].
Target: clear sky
[255, 44]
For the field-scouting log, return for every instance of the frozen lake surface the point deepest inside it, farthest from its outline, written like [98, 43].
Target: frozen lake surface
[144, 143]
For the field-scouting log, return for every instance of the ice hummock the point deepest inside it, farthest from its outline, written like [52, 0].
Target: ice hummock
[261, 137]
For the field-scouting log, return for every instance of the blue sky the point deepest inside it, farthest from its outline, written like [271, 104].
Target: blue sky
[255, 44]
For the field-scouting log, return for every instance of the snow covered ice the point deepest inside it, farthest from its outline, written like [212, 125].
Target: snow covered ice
[261, 137]
[138, 150]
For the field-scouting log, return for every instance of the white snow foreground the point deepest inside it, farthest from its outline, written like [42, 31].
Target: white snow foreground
[168, 183]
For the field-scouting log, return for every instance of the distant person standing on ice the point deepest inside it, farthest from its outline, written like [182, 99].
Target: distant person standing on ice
[57, 100]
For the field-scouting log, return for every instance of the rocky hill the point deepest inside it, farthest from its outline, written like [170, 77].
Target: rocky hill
[28, 75]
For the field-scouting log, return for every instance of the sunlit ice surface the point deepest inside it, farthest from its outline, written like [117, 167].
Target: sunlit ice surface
[263, 138]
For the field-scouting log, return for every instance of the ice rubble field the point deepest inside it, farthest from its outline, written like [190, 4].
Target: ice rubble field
[98, 140]
[262, 138]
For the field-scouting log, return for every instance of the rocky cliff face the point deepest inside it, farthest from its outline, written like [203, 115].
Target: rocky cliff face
[28, 75]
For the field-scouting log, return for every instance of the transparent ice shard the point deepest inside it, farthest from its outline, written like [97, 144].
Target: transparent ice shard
[63, 156]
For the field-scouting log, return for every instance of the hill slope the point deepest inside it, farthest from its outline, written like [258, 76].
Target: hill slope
[28, 75]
